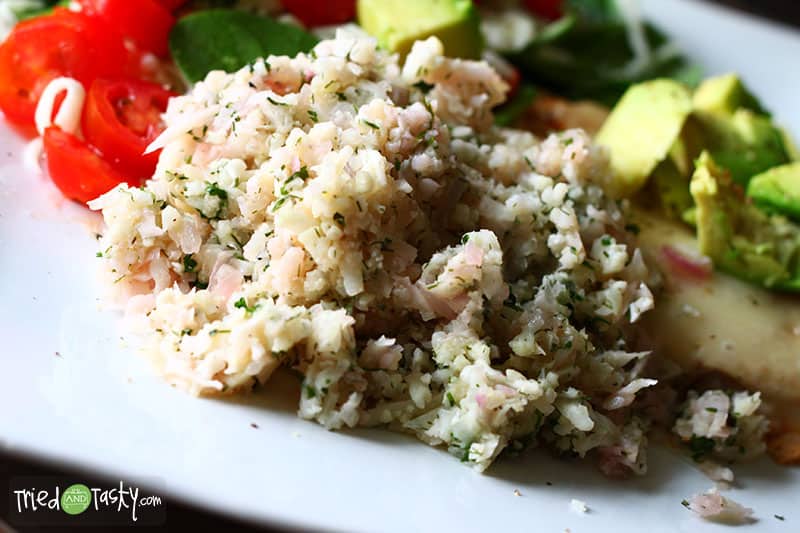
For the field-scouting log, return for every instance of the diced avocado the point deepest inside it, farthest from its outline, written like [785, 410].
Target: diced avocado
[673, 188]
[741, 239]
[778, 190]
[680, 156]
[744, 143]
[737, 130]
[724, 95]
[398, 23]
[642, 130]
[690, 216]
[688, 146]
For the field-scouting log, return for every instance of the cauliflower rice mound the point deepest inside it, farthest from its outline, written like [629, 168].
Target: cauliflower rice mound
[365, 223]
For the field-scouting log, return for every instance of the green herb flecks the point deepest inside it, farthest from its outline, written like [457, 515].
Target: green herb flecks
[700, 447]
[423, 86]
[213, 189]
[189, 263]
[450, 400]
[370, 124]
[241, 303]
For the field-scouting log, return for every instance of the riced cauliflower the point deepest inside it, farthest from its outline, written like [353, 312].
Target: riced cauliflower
[727, 425]
[364, 222]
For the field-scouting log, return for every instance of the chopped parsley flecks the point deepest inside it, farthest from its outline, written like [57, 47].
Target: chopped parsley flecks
[370, 124]
[700, 447]
[241, 303]
[213, 189]
[423, 86]
[279, 203]
[450, 399]
[189, 263]
[301, 174]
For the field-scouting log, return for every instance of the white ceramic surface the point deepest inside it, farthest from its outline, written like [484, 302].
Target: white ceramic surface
[73, 392]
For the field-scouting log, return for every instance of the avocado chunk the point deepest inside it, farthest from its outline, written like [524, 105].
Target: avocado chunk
[672, 187]
[745, 143]
[397, 24]
[642, 129]
[738, 131]
[724, 95]
[741, 239]
[778, 190]
[689, 145]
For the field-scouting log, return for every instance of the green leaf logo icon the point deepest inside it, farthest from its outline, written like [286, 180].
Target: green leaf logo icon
[76, 499]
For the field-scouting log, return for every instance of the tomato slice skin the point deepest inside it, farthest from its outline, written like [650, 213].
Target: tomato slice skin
[78, 171]
[121, 118]
[315, 13]
[60, 44]
[145, 22]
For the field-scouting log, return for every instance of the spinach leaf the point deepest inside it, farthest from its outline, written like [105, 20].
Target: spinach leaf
[509, 112]
[226, 39]
[587, 54]
[26, 10]
[595, 11]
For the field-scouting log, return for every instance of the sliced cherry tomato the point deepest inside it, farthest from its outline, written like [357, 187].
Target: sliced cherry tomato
[121, 118]
[145, 22]
[76, 169]
[547, 9]
[315, 13]
[41, 49]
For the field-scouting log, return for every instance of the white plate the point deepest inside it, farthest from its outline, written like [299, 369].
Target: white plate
[95, 404]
